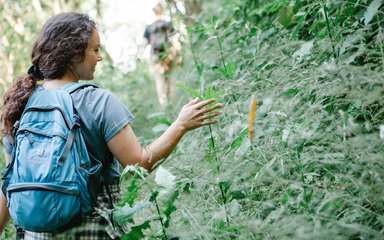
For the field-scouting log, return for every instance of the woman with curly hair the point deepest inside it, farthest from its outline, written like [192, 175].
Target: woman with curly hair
[66, 51]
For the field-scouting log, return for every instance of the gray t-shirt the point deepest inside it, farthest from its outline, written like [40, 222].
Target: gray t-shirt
[102, 116]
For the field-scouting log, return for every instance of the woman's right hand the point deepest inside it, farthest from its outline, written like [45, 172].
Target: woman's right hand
[197, 114]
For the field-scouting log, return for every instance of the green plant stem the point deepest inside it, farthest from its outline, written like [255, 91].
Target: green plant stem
[329, 29]
[218, 171]
[214, 149]
[234, 97]
[161, 220]
[221, 54]
[195, 60]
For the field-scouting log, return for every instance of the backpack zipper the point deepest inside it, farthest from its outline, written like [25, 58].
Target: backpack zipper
[26, 131]
[33, 186]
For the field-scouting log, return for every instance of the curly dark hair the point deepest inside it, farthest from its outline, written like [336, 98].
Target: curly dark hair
[59, 47]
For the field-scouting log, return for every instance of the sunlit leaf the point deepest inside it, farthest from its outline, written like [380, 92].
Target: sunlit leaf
[126, 213]
[164, 178]
[238, 140]
[371, 11]
[191, 91]
[135, 169]
[304, 50]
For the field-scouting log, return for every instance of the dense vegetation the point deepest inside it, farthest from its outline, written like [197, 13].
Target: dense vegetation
[314, 169]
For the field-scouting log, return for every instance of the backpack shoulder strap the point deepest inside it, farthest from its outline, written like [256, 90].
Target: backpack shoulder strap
[71, 88]
[74, 86]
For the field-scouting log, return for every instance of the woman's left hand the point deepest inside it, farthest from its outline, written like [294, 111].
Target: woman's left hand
[197, 114]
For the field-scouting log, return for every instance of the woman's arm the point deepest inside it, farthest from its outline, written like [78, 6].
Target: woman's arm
[4, 214]
[127, 149]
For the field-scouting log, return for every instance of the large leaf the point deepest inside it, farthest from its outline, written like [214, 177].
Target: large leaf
[191, 91]
[239, 139]
[371, 11]
[211, 93]
[124, 215]
[304, 50]
[135, 175]
[164, 178]
[170, 207]
[136, 232]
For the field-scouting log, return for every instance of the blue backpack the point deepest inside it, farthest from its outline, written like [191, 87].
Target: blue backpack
[50, 181]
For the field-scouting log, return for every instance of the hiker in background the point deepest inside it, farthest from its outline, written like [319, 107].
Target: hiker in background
[66, 51]
[165, 52]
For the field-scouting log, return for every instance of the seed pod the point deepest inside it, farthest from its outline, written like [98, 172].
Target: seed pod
[251, 117]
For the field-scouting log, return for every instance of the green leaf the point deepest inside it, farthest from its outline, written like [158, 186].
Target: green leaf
[136, 169]
[164, 178]
[191, 91]
[136, 181]
[304, 50]
[136, 232]
[274, 6]
[170, 207]
[211, 93]
[285, 16]
[228, 71]
[223, 71]
[300, 21]
[351, 40]
[153, 196]
[231, 67]
[291, 92]
[124, 215]
[163, 120]
[131, 194]
[239, 139]
[286, 196]
[199, 68]
[371, 11]
[209, 158]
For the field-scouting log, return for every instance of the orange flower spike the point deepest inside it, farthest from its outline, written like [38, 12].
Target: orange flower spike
[251, 117]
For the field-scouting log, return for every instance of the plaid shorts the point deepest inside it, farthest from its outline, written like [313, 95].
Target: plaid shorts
[97, 225]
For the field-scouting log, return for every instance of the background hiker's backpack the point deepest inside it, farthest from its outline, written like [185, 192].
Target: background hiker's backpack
[50, 181]
[158, 36]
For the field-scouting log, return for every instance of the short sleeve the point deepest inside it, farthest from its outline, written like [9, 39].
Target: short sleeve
[115, 116]
[102, 115]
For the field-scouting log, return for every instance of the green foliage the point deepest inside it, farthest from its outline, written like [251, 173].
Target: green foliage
[191, 91]
[162, 196]
[125, 214]
[137, 232]
[237, 141]
[208, 93]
